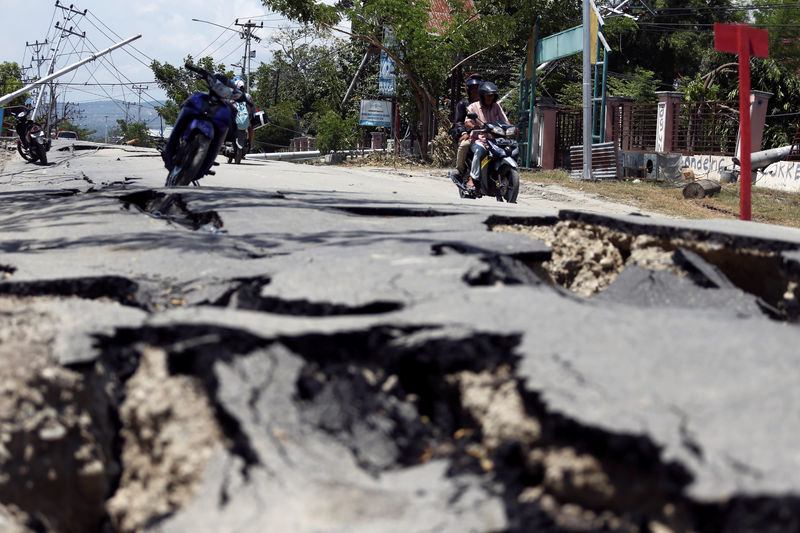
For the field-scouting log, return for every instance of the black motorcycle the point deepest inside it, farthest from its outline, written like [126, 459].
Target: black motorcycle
[32, 144]
[238, 147]
[499, 169]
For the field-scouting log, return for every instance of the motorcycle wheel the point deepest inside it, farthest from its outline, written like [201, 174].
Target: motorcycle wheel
[24, 153]
[41, 153]
[191, 155]
[509, 181]
[239, 154]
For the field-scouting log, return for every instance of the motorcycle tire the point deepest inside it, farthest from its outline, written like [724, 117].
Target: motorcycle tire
[238, 155]
[41, 154]
[509, 181]
[191, 155]
[24, 153]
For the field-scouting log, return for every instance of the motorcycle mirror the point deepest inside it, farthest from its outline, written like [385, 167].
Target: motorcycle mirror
[472, 116]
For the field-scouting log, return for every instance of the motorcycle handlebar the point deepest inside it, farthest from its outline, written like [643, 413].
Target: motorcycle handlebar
[196, 70]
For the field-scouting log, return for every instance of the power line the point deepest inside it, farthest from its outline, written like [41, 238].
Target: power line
[711, 25]
[725, 8]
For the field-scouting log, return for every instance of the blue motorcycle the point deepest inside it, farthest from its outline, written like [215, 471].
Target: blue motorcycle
[200, 130]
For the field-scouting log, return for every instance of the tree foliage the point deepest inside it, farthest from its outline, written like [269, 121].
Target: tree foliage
[677, 42]
[784, 44]
[425, 55]
[134, 130]
[10, 81]
[180, 83]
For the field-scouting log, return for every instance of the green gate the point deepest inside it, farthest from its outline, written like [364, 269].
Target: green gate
[562, 44]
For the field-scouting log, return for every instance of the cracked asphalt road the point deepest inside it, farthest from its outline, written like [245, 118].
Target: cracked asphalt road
[328, 314]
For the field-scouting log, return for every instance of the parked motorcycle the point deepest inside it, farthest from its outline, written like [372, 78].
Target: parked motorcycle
[499, 169]
[32, 144]
[200, 130]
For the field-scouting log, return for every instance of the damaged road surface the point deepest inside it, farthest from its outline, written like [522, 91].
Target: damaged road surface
[294, 348]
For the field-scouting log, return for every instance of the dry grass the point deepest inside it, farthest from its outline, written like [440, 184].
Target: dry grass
[768, 206]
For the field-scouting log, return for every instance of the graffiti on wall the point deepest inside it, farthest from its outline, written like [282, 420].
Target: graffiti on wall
[708, 166]
[783, 176]
[661, 126]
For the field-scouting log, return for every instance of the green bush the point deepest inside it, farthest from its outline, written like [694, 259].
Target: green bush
[335, 133]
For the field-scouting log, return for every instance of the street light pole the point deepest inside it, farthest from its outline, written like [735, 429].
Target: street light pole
[587, 95]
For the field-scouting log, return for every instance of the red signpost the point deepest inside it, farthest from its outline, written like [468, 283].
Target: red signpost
[745, 41]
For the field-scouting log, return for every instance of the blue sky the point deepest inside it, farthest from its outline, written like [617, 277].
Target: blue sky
[168, 34]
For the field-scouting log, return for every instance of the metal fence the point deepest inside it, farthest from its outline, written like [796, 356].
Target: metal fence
[710, 127]
[569, 132]
[794, 153]
[634, 127]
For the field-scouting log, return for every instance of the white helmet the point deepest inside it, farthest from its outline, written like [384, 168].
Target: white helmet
[238, 82]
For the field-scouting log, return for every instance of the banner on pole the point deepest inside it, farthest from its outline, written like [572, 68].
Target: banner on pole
[387, 78]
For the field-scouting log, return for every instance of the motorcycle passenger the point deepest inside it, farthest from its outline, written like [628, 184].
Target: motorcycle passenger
[488, 110]
[247, 105]
[459, 131]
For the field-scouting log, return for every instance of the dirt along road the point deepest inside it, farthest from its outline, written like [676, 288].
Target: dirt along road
[323, 349]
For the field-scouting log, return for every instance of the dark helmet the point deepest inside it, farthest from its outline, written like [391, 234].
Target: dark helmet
[473, 79]
[487, 88]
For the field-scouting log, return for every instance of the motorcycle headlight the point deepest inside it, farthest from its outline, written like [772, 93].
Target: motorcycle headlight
[511, 131]
[497, 130]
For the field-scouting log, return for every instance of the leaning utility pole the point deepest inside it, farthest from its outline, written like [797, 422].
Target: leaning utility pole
[247, 34]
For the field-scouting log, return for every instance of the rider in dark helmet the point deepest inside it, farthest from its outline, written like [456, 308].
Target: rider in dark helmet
[459, 132]
[488, 110]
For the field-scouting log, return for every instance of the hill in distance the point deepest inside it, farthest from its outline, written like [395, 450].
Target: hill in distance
[95, 115]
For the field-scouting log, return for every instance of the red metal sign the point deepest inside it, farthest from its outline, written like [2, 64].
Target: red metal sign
[745, 41]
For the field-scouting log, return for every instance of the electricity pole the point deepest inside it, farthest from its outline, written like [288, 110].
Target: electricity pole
[68, 13]
[247, 34]
[106, 117]
[139, 89]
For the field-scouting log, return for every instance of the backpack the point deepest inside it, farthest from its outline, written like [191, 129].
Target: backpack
[242, 116]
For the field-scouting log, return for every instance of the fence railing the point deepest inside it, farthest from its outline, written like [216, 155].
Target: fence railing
[705, 127]
[794, 153]
[635, 127]
[569, 132]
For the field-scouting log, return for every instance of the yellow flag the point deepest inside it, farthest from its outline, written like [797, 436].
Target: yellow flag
[529, 66]
[593, 35]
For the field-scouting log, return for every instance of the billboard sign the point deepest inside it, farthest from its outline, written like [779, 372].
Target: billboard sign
[376, 113]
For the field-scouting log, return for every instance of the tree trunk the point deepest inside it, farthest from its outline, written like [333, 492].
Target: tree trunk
[426, 117]
[701, 189]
